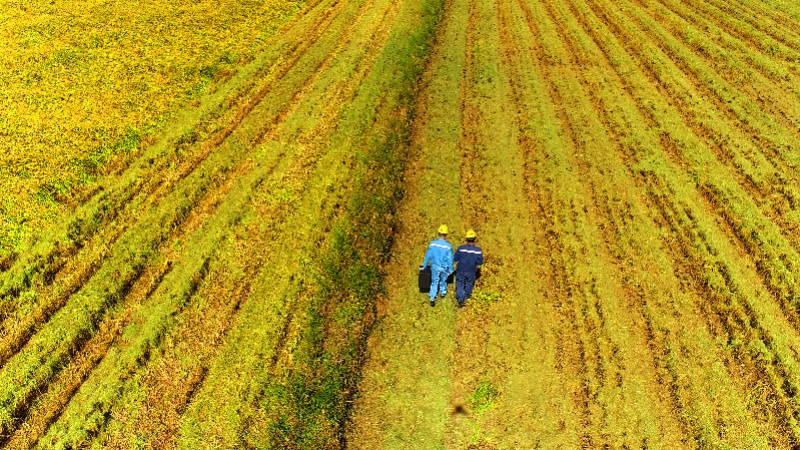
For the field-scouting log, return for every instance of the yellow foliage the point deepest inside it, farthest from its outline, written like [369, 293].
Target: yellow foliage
[78, 76]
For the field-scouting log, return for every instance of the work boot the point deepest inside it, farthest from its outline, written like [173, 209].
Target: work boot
[461, 303]
[433, 302]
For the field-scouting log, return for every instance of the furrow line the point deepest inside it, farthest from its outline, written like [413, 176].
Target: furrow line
[118, 312]
[332, 170]
[565, 238]
[216, 187]
[536, 137]
[231, 128]
[774, 196]
[734, 367]
[760, 35]
[734, 322]
[609, 193]
[181, 284]
[754, 84]
[727, 98]
[301, 164]
[23, 329]
[175, 371]
[748, 10]
[614, 208]
[772, 84]
[340, 93]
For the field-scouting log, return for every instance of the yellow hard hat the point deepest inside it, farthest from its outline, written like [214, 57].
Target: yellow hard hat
[471, 234]
[443, 230]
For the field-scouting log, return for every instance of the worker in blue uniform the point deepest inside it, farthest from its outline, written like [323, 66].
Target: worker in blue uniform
[440, 257]
[469, 257]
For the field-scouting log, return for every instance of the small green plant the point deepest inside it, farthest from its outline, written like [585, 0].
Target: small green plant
[483, 300]
[486, 297]
[484, 396]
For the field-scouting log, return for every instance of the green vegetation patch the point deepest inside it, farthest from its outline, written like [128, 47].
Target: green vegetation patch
[484, 396]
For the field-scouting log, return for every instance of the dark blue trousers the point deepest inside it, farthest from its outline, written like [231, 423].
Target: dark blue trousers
[464, 285]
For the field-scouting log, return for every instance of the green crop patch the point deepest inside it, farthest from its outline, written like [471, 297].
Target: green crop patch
[484, 397]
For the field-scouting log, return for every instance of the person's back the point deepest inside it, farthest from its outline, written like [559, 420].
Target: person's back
[469, 257]
[439, 254]
[440, 258]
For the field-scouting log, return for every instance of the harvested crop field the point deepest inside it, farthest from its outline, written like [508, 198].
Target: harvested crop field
[245, 277]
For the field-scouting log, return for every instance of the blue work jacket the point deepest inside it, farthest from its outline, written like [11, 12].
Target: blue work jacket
[439, 255]
[468, 257]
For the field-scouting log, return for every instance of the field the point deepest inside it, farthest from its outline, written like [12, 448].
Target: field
[240, 271]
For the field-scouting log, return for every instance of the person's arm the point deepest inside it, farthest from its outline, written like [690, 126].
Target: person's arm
[427, 257]
[480, 258]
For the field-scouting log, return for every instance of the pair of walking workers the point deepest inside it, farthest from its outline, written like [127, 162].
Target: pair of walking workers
[468, 258]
